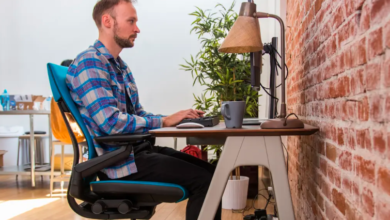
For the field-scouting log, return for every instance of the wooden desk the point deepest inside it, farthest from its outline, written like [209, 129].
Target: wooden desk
[250, 145]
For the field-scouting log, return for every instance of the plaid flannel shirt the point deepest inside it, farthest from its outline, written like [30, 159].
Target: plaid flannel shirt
[99, 93]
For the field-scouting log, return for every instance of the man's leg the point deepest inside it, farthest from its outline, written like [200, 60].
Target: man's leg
[193, 160]
[167, 165]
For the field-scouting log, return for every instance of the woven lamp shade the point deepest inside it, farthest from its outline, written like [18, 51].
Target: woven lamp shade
[244, 36]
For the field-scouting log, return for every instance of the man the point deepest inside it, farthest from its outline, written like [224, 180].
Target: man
[106, 94]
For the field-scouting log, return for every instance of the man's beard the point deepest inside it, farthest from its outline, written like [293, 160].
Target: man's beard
[123, 42]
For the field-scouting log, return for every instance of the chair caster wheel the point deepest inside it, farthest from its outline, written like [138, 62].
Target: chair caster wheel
[98, 207]
[125, 207]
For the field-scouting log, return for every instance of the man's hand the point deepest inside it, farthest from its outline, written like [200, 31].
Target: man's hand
[174, 119]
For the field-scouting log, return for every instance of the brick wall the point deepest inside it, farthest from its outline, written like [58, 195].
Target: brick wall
[339, 60]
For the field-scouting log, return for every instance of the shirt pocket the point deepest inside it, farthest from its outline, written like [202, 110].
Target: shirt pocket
[116, 91]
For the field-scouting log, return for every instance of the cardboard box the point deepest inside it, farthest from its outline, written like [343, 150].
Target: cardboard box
[29, 102]
[2, 152]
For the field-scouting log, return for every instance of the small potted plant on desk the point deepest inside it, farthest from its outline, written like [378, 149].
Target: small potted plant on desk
[226, 77]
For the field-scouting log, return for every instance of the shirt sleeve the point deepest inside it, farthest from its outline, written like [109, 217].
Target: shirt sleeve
[91, 82]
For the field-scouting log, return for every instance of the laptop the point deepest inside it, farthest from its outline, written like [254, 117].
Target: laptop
[253, 121]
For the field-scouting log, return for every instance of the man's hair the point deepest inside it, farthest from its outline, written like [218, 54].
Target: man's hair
[103, 6]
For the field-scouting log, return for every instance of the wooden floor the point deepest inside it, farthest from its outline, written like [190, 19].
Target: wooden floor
[18, 200]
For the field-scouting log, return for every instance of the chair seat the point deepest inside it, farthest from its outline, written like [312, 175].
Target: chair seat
[140, 192]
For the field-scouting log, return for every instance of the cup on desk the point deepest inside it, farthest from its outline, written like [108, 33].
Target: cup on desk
[233, 113]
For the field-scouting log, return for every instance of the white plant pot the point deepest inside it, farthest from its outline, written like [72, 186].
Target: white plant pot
[236, 193]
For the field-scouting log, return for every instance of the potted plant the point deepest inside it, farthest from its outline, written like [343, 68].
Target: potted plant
[226, 77]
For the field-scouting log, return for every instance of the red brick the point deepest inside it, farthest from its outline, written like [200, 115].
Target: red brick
[358, 4]
[379, 138]
[382, 209]
[331, 46]
[331, 152]
[337, 18]
[384, 180]
[351, 110]
[307, 5]
[363, 139]
[376, 108]
[346, 186]
[327, 71]
[329, 108]
[347, 58]
[363, 109]
[349, 7]
[345, 160]
[347, 32]
[338, 200]
[343, 88]
[373, 75]
[341, 136]
[334, 175]
[325, 32]
[357, 81]
[351, 139]
[318, 5]
[365, 169]
[386, 70]
[358, 52]
[351, 212]
[387, 108]
[379, 10]
[368, 202]
[387, 34]
[320, 201]
[326, 189]
[356, 194]
[375, 43]
[320, 146]
[323, 166]
[364, 19]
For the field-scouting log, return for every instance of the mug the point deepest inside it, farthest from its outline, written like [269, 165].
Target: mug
[233, 112]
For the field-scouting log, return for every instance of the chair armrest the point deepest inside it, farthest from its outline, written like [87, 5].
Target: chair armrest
[120, 138]
[96, 164]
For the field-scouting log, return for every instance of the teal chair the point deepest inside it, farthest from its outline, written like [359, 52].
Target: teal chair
[107, 199]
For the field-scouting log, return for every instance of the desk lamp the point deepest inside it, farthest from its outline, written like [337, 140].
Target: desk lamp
[244, 37]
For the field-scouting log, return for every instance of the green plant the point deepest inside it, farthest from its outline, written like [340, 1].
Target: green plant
[225, 76]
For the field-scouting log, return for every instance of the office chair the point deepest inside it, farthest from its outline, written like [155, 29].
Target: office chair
[107, 199]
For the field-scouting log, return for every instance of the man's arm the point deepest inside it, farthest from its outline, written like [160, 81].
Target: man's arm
[90, 81]
[139, 110]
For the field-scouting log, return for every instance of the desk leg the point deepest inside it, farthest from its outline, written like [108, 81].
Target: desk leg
[224, 167]
[32, 150]
[243, 151]
[277, 167]
[50, 140]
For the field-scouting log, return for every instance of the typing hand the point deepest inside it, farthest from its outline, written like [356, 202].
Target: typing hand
[174, 119]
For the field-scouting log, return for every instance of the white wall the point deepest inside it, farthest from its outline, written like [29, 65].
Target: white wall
[34, 33]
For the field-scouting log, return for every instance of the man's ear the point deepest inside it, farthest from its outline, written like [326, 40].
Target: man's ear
[107, 21]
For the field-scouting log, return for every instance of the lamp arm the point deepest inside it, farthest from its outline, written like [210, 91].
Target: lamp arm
[283, 107]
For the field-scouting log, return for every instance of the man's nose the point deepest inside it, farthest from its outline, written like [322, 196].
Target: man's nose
[137, 29]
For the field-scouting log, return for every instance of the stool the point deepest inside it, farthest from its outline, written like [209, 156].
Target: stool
[24, 149]
[63, 176]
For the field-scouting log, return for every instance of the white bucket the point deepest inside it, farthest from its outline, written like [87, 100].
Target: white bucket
[236, 193]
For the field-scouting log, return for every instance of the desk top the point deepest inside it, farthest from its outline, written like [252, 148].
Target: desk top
[25, 112]
[221, 131]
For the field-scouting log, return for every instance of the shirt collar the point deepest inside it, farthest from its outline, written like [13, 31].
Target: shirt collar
[103, 50]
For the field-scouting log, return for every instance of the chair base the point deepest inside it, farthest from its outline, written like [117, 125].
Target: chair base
[85, 210]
